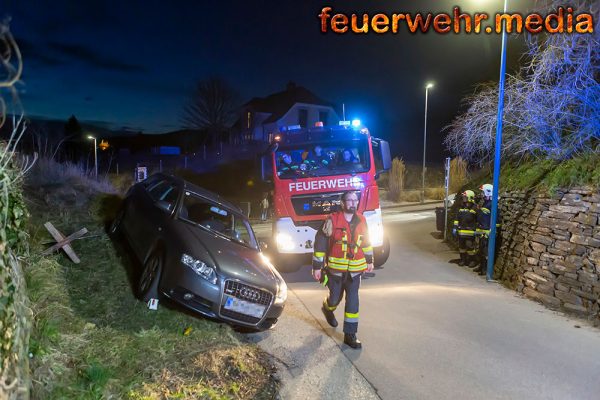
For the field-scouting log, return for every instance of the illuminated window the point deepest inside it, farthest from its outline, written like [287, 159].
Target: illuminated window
[248, 119]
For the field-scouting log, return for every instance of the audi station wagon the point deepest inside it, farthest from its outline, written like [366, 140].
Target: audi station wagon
[200, 251]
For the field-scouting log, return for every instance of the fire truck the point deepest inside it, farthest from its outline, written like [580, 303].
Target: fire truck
[309, 169]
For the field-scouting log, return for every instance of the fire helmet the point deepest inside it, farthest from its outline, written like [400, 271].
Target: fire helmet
[487, 190]
[470, 195]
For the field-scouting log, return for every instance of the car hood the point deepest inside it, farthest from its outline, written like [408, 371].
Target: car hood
[234, 260]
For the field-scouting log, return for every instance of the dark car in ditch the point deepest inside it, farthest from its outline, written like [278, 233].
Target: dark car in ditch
[200, 251]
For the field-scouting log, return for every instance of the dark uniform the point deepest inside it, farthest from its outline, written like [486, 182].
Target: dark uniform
[345, 254]
[465, 225]
[314, 161]
[484, 217]
[287, 170]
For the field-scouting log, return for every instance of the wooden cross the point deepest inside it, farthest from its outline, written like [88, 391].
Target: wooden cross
[62, 242]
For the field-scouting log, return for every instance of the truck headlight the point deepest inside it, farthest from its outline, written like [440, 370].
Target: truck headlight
[200, 268]
[376, 233]
[284, 241]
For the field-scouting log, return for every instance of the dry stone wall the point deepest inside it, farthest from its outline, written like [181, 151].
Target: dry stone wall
[550, 249]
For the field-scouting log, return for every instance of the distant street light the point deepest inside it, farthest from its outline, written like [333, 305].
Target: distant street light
[95, 155]
[494, 216]
[427, 87]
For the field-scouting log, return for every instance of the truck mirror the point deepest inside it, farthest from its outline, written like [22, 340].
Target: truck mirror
[266, 168]
[381, 154]
[386, 158]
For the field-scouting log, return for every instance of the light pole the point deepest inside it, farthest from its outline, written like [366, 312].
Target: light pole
[95, 155]
[427, 87]
[494, 216]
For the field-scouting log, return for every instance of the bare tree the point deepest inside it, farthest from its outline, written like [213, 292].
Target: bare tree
[212, 108]
[552, 105]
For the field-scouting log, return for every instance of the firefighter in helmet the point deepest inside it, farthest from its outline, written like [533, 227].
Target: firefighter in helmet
[465, 225]
[342, 253]
[287, 168]
[483, 225]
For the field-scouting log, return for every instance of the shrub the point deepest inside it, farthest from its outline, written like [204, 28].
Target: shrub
[458, 174]
[396, 179]
[437, 193]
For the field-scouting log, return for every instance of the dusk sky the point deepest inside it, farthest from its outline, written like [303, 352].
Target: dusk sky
[134, 63]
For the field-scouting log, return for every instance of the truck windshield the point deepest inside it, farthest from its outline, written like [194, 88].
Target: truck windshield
[213, 217]
[321, 159]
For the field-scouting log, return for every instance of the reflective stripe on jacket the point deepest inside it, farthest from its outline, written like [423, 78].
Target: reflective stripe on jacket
[466, 220]
[347, 250]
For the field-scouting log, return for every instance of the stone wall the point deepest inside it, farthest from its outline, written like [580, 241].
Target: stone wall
[550, 249]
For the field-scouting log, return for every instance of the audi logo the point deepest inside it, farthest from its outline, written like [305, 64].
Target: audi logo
[249, 294]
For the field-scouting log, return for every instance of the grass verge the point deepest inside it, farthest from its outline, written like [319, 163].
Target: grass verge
[545, 176]
[93, 340]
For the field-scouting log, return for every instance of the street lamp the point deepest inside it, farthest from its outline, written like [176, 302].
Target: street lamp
[494, 216]
[95, 155]
[427, 87]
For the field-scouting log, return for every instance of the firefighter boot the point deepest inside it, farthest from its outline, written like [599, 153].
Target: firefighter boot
[463, 259]
[472, 261]
[329, 316]
[482, 269]
[351, 340]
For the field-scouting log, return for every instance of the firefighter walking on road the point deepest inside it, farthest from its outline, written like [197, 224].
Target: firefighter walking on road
[483, 226]
[465, 225]
[342, 253]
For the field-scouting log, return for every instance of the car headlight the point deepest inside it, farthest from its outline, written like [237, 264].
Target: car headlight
[281, 292]
[200, 268]
[284, 241]
[376, 233]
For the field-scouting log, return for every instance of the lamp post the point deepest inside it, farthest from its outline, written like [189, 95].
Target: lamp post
[427, 87]
[95, 155]
[494, 215]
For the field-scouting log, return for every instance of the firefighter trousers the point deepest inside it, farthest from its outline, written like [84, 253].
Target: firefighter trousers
[483, 250]
[466, 245]
[338, 285]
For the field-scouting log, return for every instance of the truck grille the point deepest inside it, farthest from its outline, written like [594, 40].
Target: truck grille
[317, 204]
[248, 293]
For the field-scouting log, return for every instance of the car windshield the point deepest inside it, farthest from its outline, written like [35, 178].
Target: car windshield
[319, 159]
[215, 218]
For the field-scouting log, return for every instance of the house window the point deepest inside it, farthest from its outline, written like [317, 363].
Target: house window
[303, 117]
[248, 119]
[323, 117]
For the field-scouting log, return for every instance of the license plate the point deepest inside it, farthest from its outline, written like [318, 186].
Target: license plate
[244, 307]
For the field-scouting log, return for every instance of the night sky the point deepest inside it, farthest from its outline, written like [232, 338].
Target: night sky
[133, 64]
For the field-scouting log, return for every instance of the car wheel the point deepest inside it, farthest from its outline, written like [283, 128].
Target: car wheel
[148, 283]
[115, 226]
[381, 254]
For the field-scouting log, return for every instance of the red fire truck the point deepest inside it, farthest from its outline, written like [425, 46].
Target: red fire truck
[310, 169]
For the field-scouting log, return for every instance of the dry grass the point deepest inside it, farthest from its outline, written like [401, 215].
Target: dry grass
[396, 179]
[93, 339]
[48, 172]
[458, 174]
[437, 193]
[410, 195]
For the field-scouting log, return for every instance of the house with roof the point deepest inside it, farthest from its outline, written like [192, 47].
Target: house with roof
[263, 117]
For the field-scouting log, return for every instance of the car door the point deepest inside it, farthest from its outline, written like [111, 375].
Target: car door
[154, 213]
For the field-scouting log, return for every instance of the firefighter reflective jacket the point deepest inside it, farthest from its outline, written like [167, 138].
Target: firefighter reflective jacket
[347, 250]
[484, 217]
[466, 220]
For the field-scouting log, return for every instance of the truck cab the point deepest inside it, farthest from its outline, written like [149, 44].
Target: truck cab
[310, 169]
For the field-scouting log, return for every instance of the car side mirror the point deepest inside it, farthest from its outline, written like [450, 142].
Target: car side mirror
[164, 205]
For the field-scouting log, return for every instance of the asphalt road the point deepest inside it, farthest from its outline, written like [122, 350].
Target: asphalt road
[431, 329]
